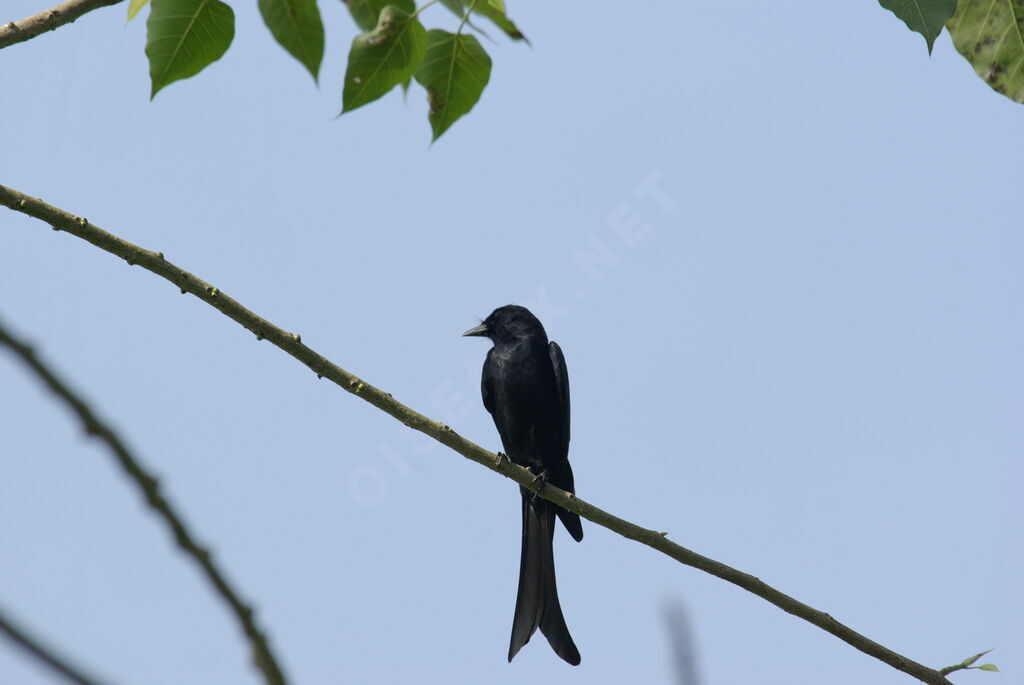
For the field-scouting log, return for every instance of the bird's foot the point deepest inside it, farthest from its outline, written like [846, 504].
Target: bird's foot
[502, 460]
[539, 481]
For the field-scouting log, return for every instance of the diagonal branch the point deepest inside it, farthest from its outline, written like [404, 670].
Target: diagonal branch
[292, 344]
[19, 31]
[42, 653]
[150, 488]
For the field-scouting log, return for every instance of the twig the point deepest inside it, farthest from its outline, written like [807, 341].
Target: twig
[150, 488]
[33, 646]
[19, 31]
[292, 344]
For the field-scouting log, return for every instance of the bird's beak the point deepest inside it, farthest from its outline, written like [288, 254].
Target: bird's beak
[479, 331]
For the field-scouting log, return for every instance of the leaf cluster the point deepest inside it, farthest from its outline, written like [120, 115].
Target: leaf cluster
[988, 33]
[186, 36]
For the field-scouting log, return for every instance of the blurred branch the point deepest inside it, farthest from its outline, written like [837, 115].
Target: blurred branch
[44, 654]
[19, 31]
[681, 642]
[292, 344]
[150, 488]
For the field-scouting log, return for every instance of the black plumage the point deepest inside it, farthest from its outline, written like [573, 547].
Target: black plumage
[525, 387]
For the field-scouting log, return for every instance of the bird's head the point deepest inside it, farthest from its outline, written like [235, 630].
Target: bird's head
[508, 324]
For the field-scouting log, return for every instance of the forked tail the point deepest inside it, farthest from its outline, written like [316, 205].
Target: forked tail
[537, 602]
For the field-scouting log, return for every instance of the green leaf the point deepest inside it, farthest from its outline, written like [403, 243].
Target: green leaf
[496, 14]
[927, 17]
[184, 36]
[493, 10]
[970, 660]
[297, 28]
[988, 667]
[381, 59]
[367, 12]
[454, 72]
[990, 34]
[457, 7]
[133, 8]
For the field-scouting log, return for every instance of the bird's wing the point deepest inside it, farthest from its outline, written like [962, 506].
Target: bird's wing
[485, 384]
[564, 480]
[562, 381]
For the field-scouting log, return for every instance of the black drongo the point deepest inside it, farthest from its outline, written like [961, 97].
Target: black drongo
[526, 389]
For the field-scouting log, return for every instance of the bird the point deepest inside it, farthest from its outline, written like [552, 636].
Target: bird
[525, 388]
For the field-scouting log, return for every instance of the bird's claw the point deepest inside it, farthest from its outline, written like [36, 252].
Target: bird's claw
[539, 481]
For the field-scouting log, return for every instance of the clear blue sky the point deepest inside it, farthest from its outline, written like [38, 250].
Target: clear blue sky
[807, 365]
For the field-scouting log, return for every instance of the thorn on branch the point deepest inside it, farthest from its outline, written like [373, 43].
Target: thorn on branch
[183, 291]
[296, 337]
[159, 255]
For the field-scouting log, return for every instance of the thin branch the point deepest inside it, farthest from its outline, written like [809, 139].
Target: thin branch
[42, 653]
[19, 31]
[292, 344]
[150, 488]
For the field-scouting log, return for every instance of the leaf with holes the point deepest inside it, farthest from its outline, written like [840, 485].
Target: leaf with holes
[927, 17]
[454, 72]
[367, 12]
[381, 59]
[990, 34]
[184, 36]
[297, 28]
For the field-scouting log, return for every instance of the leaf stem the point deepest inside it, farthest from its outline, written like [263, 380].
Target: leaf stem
[465, 17]
[421, 8]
